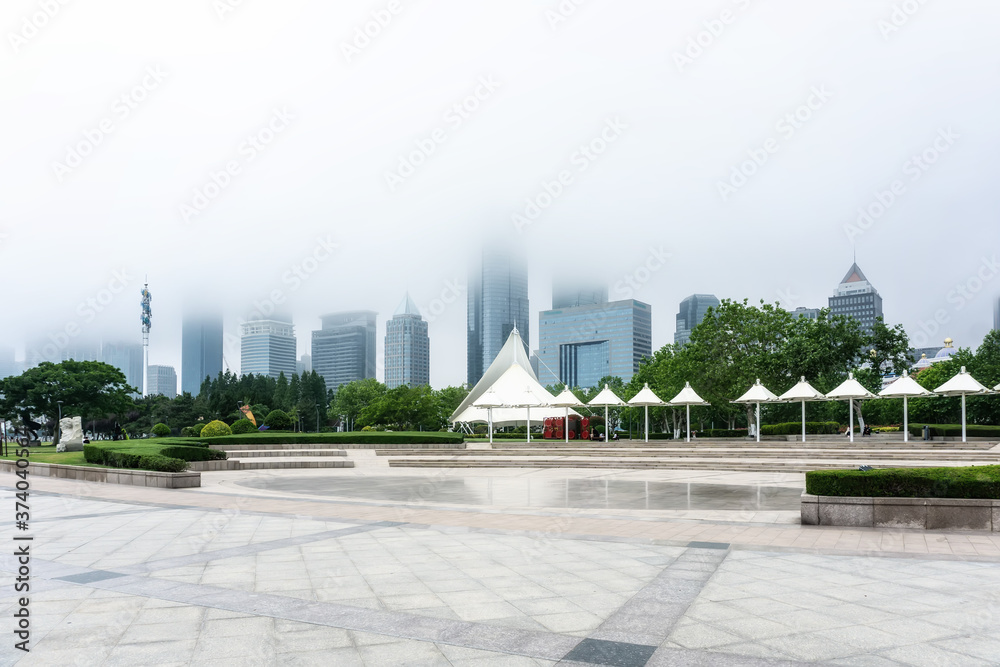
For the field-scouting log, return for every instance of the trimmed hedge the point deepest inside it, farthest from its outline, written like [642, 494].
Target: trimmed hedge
[243, 426]
[795, 428]
[723, 433]
[953, 430]
[975, 482]
[145, 455]
[351, 437]
[161, 430]
[278, 420]
[214, 429]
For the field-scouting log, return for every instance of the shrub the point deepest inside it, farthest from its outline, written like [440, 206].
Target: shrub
[955, 430]
[243, 426]
[145, 455]
[982, 482]
[722, 433]
[188, 432]
[161, 430]
[278, 420]
[356, 437]
[197, 429]
[214, 429]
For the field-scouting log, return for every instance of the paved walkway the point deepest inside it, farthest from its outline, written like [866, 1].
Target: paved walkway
[251, 569]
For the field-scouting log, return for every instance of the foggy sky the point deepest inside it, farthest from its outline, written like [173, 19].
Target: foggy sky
[300, 132]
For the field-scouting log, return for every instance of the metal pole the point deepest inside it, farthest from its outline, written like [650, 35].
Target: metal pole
[803, 421]
[688, 422]
[489, 414]
[647, 424]
[850, 417]
[607, 425]
[758, 421]
[964, 439]
[529, 423]
[566, 425]
[906, 421]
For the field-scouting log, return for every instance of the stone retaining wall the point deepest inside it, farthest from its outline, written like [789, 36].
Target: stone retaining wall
[924, 513]
[162, 480]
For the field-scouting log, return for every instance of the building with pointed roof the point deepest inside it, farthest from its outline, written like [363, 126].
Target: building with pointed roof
[497, 304]
[407, 347]
[857, 298]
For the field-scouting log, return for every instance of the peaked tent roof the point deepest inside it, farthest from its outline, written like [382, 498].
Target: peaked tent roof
[854, 275]
[606, 397]
[904, 386]
[407, 307]
[512, 353]
[687, 396]
[646, 397]
[516, 388]
[566, 399]
[758, 393]
[802, 391]
[850, 388]
[963, 383]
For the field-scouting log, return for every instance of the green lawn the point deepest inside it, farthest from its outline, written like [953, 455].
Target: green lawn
[48, 454]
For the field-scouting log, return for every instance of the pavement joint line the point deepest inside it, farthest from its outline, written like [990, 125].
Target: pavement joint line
[96, 515]
[253, 548]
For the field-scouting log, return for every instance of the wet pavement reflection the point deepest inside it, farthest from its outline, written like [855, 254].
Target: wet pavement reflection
[564, 493]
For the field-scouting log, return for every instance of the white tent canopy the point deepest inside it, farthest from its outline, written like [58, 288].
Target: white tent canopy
[758, 394]
[906, 388]
[851, 390]
[802, 392]
[506, 414]
[962, 385]
[687, 397]
[566, 400]
[606, 397]
[646, 398]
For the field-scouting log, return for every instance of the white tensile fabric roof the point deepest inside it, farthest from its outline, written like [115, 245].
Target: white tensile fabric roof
[512, 391]
[758, 393]
[687, 396]
[566, 399]
[646, 397]
[904, 386]
[850, 388]
[606, 397]
[802, 391]
[963, 383]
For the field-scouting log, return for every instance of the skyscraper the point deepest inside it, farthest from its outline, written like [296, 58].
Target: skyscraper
[7, 365]
[343, 350]
[569, 292]
[201, 351]
[996, 313]
[162, 381]
[856, 297]
[407, 347]
[498, 301]
[580, 345]
[267, 347]
[126, 357]
[690, 315]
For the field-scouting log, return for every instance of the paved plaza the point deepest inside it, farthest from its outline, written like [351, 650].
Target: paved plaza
[378, 566]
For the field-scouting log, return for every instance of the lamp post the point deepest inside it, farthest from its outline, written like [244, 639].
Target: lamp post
[58, 424]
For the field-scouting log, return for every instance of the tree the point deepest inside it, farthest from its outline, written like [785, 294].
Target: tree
[278, 420]
[91, 389]
[280, 400]
[353, 397]
[887, 352]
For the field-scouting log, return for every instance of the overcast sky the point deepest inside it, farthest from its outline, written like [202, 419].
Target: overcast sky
[123, 117]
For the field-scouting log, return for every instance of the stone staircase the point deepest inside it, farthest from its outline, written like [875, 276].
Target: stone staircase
[278, 456]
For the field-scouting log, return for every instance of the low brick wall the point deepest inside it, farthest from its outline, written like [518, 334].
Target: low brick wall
[924, 513]
[161, 480]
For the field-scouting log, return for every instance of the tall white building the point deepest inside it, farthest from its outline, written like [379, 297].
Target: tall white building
[267, 347]
[162, 381]
[407, 347]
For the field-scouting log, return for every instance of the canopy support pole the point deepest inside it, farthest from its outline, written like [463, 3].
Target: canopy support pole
[489, 413]
[964, 438]
[529, 423]
[906, 421]
[803, 421]
[758, 422]
[566, 425]
[850, 416]
[647, 424]
[688, 420]
[607, 426]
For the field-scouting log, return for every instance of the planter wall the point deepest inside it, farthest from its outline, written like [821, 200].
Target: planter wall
[921, 513]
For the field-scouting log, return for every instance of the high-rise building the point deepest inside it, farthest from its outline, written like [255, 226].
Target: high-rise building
[407, 347]
[7, 365]
[856, 297]
[267, 347]
[808, 313]
[201, 351]
[569, 292]
[126, 357]
[498, 302]
[578, 346]
[690, 315]
[305, 364]
[343, 350]
[996, 313]
[60, 347]
[162, 381]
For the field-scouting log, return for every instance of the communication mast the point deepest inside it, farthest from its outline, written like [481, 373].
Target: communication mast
[147, 319]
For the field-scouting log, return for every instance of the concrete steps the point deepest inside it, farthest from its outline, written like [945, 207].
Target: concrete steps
[278, 453]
